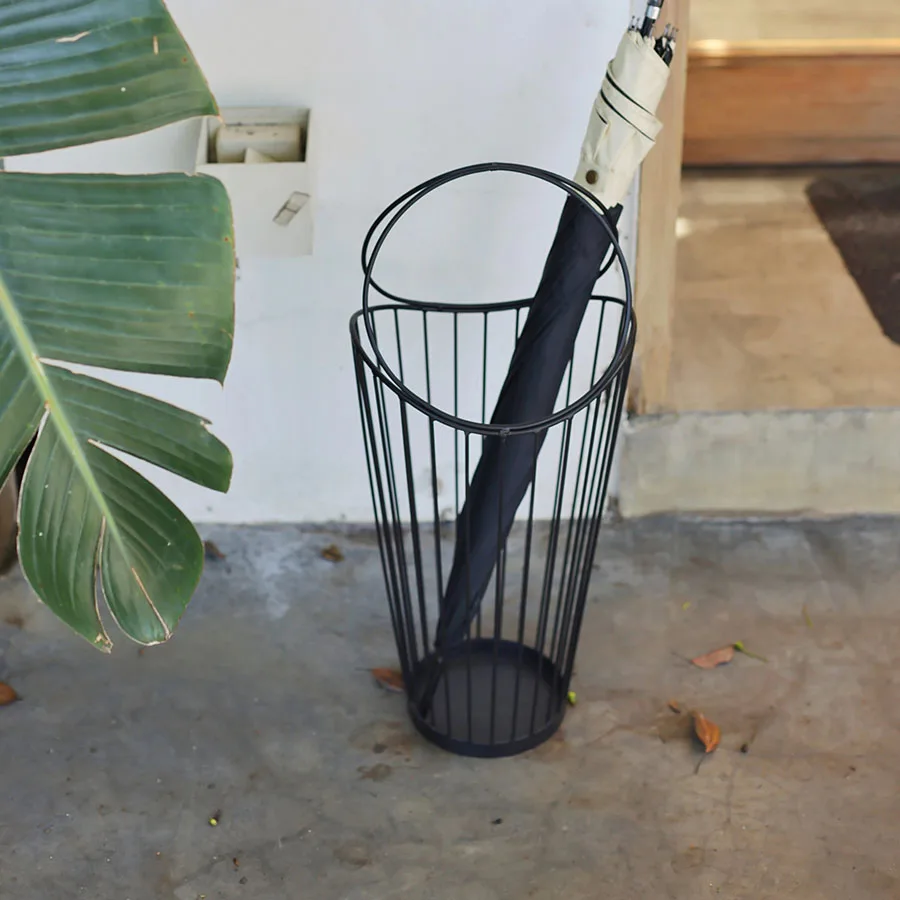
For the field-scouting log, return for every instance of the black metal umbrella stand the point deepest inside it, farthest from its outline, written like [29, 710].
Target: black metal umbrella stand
[487, 529]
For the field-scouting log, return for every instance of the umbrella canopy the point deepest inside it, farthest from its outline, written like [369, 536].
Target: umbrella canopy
[621, 130]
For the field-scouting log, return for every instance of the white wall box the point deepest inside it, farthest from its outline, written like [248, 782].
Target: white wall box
[260, 155]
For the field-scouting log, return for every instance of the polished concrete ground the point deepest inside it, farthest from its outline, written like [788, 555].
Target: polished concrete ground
[767, 317]
[261, 712]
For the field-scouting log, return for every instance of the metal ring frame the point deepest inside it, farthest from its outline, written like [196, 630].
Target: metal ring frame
[389, 218]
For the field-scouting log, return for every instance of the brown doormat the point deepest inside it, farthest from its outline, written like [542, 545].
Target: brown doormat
[860, 209]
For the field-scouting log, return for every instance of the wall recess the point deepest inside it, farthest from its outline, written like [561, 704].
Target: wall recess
[261, 156]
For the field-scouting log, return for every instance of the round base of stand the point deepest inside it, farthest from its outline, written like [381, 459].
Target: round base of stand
[493, 699]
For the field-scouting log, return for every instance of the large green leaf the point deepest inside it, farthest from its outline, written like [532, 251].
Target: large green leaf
[130, 273]
[77, 71]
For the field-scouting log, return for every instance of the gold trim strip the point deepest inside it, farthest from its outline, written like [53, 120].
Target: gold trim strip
[714, 50]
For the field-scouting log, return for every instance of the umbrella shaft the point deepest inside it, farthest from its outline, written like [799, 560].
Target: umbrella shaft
[654, 8]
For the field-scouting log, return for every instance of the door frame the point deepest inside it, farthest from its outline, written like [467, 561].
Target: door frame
[659, 199]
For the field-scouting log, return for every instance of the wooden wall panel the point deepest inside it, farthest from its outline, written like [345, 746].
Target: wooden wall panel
[789, 102]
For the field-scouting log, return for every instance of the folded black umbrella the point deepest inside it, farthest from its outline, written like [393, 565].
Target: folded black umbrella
[542, 355]
[621, 131]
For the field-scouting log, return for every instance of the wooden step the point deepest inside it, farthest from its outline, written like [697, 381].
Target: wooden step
[780, 102]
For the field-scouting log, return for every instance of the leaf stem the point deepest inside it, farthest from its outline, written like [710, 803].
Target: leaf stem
[739, 646]
[38, 372]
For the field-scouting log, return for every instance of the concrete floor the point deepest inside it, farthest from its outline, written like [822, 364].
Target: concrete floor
[262, 708]
[767, 317]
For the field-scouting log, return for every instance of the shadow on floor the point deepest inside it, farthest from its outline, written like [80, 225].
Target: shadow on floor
[860, 209]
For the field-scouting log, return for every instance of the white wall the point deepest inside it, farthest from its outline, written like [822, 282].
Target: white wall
[399, 90]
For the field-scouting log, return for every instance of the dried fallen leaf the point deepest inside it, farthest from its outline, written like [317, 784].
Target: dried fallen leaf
[333, 553]
[675, 706]
[708, 733]
[211, 551]
[378, 772]
[7, 694]
[715, 658]
[389, 679]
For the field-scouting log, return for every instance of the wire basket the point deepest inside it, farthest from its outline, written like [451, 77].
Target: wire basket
[428, 375]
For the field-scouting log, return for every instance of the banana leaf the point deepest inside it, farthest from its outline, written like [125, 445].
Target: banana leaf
[128, 273]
